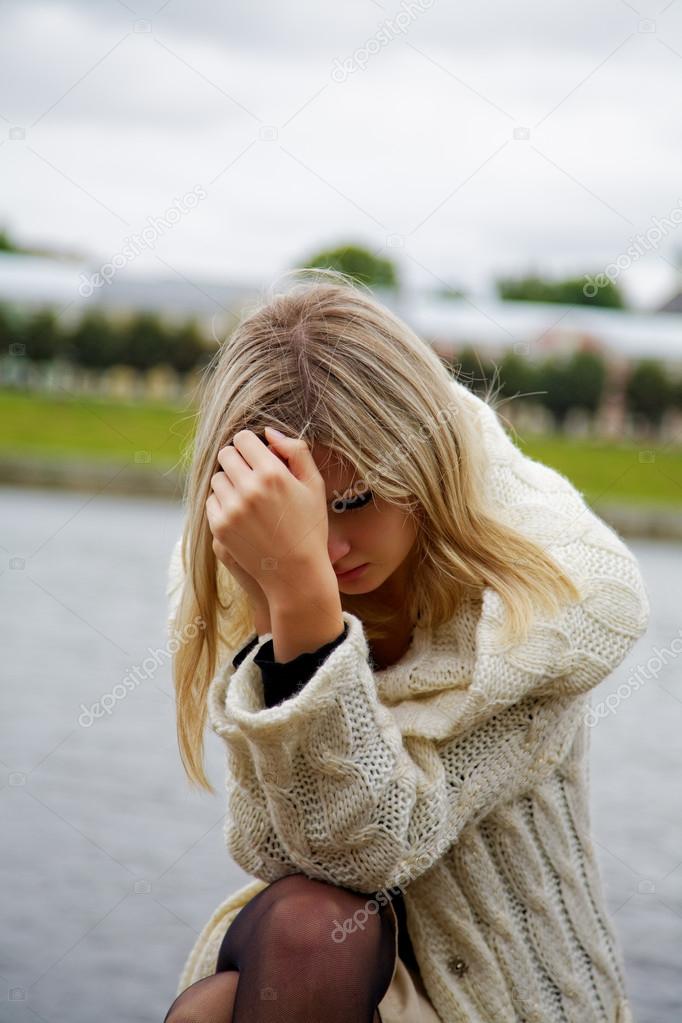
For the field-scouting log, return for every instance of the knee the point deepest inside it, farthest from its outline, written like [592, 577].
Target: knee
[307, 915]
[178, 1014]
[208, 999]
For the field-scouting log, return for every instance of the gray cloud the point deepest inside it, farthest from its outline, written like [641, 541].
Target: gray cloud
[120, 119]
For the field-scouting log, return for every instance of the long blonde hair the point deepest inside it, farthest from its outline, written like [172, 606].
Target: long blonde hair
[324, 360]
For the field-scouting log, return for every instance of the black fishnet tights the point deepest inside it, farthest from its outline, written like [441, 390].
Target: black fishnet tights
[290, 968]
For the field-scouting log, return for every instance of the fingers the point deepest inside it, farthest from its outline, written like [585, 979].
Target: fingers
[254, 450]
[241, 465]
[223, 533]
[234, 464]
[213, 511]
[221, 486]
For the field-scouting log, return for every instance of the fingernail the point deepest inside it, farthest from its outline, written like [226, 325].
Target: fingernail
[277, 433]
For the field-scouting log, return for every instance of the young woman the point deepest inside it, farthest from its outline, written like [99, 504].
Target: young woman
[401, 619]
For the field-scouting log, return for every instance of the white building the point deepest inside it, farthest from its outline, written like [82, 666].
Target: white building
[489, 324]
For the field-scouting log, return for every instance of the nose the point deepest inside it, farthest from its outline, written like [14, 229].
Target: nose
[337, 546]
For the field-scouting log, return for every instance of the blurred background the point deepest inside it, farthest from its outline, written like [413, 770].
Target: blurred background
[506, 179]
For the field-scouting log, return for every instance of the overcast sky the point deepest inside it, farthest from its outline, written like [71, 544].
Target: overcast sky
[466, 141]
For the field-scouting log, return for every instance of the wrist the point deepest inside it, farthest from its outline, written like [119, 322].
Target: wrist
[303, 635]
[305, 624]
[309, 584]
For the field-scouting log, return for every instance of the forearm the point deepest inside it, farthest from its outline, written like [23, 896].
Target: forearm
[302, 622]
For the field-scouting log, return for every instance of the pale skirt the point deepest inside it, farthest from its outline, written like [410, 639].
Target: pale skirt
[405, 999]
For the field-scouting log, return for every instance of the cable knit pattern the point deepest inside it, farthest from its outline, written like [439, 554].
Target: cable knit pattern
[458, 773]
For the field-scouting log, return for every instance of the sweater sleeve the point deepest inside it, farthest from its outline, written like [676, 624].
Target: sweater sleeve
[367, 795]
[352, 801]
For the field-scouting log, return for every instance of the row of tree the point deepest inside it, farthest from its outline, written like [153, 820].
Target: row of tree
[97, 341]
[580, 380]
[143, 341]
[376, 271]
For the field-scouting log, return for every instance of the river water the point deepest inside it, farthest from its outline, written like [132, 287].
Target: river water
[111, 864]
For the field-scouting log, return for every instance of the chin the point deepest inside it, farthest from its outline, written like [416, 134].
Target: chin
[356, 589]
[359, 585]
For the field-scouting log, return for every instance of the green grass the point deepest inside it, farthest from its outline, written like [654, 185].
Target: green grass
[91, 428]
[637, 474]
[100, 429]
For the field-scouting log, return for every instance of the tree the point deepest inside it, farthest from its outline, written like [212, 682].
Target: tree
[146, 342]
[187, 349]
[8, 332]
[359, 263]
[570, 291]
[518, 377]
[676, 393]
[574, 382]
[6, 243]
[95, 342]
[649, 391]
[585, 380]
[41, 336]
[471, 370]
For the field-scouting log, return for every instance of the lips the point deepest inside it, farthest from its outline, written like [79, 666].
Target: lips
[347, 570]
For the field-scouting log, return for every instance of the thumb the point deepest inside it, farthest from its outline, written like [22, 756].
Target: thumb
[295, 451]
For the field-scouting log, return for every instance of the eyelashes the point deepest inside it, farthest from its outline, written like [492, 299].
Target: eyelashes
[340, 504]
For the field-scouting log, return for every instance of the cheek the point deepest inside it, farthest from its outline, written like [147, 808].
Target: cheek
[403, 532]
[383, 535]
[365, 534]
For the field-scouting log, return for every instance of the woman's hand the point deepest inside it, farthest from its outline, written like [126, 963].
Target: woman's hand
[268, 517]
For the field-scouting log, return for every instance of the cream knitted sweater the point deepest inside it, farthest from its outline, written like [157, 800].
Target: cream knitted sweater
[459, 774]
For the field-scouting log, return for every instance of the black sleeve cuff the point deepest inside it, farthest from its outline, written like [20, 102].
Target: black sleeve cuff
[282, 679]
[241, 654]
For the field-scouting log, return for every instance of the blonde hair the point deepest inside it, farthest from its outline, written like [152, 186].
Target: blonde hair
[324, 360]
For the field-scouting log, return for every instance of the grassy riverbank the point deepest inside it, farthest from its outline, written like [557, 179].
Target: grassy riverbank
[91, 428]
[97, 430]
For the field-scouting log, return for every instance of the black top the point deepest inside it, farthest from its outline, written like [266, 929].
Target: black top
[281, 680]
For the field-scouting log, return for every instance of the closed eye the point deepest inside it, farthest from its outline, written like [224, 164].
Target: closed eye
[341, 504]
